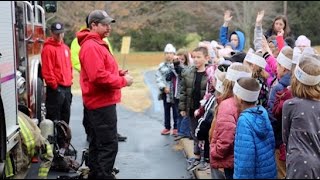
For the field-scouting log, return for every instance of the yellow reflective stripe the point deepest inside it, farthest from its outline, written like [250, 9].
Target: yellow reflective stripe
[43, 172]
[27, 135]
[49, 152]
[49, 149]
[8, 166]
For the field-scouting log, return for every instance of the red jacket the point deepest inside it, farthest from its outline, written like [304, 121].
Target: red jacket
[222, 141]
[281, 97]
[100, 79]
[56, 64]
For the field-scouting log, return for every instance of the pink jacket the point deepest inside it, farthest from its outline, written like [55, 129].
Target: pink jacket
[271, 68]
[222, 141]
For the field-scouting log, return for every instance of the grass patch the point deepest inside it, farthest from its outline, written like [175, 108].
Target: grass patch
[137, 96]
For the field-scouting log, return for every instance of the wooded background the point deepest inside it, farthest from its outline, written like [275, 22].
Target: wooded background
[153, 24]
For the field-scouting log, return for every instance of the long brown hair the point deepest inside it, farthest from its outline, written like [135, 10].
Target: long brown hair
[286, 28]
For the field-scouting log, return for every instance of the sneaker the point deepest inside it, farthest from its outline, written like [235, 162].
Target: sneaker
[193, 165]
[175, 132]
[121, 138]
[115, 170]
[203, 166]
[165, 132]
[192, 160]
[177, 138]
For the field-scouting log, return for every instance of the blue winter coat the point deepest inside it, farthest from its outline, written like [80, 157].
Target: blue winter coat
[254, 146]
[224, 39]
[284, 82]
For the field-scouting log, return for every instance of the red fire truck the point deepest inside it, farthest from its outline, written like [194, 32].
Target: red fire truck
[22, 34]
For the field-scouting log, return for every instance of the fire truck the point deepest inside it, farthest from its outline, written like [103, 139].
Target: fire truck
[22, 34]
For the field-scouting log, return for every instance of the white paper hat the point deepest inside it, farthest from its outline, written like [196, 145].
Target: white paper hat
[245, 94]
[304, 77]
[255, 59]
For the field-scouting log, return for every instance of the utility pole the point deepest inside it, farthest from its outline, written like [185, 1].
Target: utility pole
[285, 6]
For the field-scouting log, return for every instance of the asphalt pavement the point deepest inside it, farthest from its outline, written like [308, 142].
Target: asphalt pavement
[146, 154]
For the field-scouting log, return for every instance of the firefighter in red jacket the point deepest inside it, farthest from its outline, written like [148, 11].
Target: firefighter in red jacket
[101, 82]
[57, 73]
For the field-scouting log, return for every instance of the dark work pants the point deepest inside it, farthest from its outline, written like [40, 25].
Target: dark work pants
[58, 103]
[228, 173]
[101, 126]
[167, 113]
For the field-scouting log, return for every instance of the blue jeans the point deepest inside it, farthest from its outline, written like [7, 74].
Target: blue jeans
[184, 126]
[167, 114]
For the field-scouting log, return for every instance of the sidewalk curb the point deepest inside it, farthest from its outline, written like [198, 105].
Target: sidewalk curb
[188, 151]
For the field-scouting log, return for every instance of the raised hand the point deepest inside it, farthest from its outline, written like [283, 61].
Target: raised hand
[280, 33]
[227, 16]
[259, 18]
[265, 46]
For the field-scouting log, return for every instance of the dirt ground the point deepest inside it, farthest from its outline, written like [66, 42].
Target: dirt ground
[135, 97]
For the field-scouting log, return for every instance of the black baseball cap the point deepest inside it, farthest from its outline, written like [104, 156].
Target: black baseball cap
[100, 16]
[57, 28]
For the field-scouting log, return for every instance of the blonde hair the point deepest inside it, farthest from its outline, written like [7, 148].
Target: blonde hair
[228, 85]
[304, 91]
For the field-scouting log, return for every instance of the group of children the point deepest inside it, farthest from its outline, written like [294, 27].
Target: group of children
[253, 114]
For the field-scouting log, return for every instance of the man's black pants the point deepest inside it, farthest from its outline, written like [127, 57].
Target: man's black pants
[58, 103]
[101, 126]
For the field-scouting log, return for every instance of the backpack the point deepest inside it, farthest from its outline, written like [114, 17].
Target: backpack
[64, 153]
[62, 134]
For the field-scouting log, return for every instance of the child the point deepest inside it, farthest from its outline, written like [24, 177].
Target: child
[302, 42]
[236, 37]
[180, 62]
[223, 128]
[300, 119]
[183, 56]
[193, 88]
[257, 65]
[284, 65]
[205, 121]
[254, 143]
[165, 93]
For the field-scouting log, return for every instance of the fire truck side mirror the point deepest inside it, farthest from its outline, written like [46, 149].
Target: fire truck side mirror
[50, 6]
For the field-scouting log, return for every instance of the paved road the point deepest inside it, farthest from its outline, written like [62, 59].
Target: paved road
[146, 154]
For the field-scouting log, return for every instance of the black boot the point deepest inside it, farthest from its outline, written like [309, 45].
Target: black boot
[121, 138]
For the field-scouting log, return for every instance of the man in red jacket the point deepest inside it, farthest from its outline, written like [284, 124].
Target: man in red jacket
[101, 82]
[57, 73]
